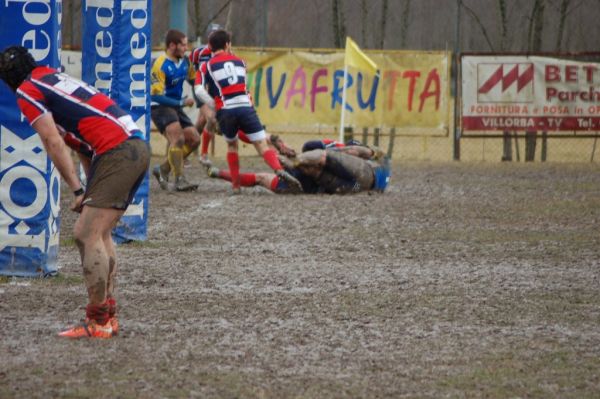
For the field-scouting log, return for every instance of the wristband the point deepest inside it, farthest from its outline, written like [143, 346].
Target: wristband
[78, 192]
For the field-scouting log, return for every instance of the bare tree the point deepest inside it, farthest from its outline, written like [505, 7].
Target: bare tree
[507, 137]
[197, 18]
[339, 24]
[71, 24]
[229, 14]
[564, 5]
[534, 39]
[384, 16]
[365, 18]
[477, 19]
[215, 16]
[503, 24]
[405, 23]
[536, 26]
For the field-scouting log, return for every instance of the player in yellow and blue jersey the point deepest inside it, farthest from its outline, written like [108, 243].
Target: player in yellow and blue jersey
[169, 72]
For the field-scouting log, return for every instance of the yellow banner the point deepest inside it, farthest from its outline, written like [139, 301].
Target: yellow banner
[301, 90]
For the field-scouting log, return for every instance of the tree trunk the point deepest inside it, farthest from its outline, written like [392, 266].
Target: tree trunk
[405, 23]
[365, 17]
[544, 154]
[561, 24]
[384, 15]
[339, 29]
[503, 24]
[229, 13]
[530, 144]
[507, 146]
[536, 26]
[197, 20]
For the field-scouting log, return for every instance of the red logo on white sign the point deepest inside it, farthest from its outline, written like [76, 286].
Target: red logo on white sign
[505, 82]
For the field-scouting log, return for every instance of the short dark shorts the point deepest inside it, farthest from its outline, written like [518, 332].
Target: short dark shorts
[241, 118]
[164, 115]
[116, 175]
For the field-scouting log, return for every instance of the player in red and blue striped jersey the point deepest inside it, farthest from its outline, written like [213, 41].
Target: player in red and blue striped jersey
[224, 76]
[66, 110]
[205, 123]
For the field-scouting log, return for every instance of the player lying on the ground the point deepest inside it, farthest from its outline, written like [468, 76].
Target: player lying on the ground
[65, 110]
[320, 171]
[353, 147]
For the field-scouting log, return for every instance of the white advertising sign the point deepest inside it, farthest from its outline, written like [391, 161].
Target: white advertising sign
[529, 93]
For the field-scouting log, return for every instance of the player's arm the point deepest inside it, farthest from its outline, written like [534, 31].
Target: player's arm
[208, 108]
[200, 86]
[356, 150]
[313, 158]
[311, 163]
[59, 154]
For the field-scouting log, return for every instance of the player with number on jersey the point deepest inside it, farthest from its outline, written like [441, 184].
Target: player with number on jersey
[222, 79]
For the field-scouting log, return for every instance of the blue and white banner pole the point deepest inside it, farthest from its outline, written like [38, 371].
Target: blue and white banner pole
[116, 60]
[29, 183]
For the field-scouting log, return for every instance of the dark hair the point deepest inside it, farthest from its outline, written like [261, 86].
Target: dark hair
[16, 63]
[219, 39]
[174, 36]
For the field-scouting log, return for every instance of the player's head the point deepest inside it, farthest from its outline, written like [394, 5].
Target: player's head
[176, 43]
[16, 63]
[219, 40]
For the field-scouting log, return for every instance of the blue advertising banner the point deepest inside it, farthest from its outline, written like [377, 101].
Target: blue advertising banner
[29, 183]
[116, 60]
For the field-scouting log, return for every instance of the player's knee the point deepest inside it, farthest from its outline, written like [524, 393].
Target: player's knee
[80, 235]
[194, 142]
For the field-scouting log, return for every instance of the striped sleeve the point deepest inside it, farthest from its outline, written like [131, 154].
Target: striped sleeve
[31, 101]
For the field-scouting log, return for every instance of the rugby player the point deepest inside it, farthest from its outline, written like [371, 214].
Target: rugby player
[223, 80]
[169, 71]
[65, 110]
[205, 122]
[320, 171]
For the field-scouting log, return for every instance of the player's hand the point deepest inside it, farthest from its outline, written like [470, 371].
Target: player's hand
[188, 102]
[76, 205]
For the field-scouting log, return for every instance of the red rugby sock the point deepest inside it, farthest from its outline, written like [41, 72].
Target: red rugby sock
[246, 179]
[270, 157]
[97, 312]
[205, 142]
[234, 168]
[112, 306]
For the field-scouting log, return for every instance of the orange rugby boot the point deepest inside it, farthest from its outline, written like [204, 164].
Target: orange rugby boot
[114, 323]
[89, 329]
